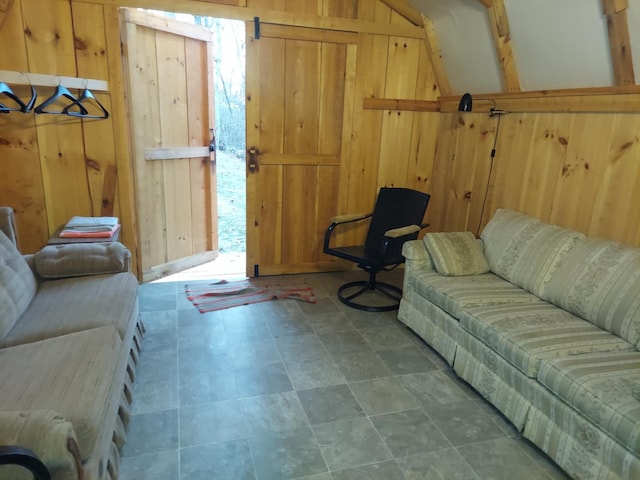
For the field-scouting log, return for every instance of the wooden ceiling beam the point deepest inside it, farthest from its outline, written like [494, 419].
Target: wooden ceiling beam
[270, 16]
[619, 41]
[499, 23]
[435, 55]
[406, 10]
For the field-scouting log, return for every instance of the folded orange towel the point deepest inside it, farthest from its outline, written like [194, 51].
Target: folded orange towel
[84, 234]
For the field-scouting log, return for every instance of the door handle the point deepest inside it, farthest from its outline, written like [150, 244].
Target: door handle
[252, 160]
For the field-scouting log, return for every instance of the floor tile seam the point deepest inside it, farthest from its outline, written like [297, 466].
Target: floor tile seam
[418, 403]
[471, 469]
[392, 459]
[391, 456]
[315, 437]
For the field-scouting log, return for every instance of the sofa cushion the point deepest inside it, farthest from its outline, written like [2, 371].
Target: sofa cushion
[74, 304]
[72, 375]
[599, 280]
[524, 250]
[456, 253]
[453, 294]
[17, 285]
[77, 260]
[527, 334]
[599, 386]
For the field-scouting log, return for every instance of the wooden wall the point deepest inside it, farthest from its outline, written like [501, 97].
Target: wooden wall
[580, 170]
[53, 167]
[576, 169]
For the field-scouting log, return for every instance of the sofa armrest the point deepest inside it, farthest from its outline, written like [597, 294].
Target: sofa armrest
[81, 259]
[25, 458]
[41, 441]
[416, 255]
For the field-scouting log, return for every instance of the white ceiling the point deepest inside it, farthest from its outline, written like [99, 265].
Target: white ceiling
[556, 43]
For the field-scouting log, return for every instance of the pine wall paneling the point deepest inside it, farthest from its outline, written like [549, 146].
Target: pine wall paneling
[577, 169]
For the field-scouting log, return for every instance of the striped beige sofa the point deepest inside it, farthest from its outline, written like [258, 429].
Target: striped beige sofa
[69, 342]
[545, 324]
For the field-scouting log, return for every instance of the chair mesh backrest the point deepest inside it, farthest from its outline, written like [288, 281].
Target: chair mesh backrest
[395, 208]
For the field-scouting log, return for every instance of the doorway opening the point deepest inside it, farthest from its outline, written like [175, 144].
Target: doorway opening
[230, 141]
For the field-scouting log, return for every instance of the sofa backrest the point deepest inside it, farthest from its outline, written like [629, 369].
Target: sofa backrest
[599, 280]
[524, 250]
[17, 285]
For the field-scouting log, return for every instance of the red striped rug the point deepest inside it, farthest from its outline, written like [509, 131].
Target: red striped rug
[209, 297]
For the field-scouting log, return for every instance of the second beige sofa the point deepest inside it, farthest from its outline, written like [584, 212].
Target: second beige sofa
[70, 336]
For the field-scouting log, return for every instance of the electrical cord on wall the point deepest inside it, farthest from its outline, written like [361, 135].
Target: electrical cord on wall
[492, 113]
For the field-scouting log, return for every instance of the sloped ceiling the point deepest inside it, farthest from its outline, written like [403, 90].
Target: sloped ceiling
[556, 43]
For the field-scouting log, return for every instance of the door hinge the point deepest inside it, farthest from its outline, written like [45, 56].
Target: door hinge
[256, 24]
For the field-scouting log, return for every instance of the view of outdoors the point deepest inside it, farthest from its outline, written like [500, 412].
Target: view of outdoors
[229, 86]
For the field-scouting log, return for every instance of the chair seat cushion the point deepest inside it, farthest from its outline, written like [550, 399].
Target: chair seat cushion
[600, 387]
[527, 334]
[364, 256]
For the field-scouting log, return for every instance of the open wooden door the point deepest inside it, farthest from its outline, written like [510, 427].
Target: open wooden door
[296, 108]
[169, 65]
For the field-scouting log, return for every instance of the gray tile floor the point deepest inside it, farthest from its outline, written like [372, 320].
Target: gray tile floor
[289, 390]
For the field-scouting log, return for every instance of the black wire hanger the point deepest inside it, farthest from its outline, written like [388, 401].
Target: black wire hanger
[61, 92]
[5, 90]
[85, 96]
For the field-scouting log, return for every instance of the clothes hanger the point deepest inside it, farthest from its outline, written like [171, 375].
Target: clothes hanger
[86, 95]
[22, 107]
[61, 91]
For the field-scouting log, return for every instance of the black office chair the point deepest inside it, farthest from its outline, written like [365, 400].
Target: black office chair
[396, 218]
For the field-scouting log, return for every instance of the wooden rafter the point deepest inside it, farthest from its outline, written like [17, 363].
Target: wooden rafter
[502, 37]
[619, 41]
[406, 10]
[433, 48]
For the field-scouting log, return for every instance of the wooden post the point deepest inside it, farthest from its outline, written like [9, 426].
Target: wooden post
[619, 41]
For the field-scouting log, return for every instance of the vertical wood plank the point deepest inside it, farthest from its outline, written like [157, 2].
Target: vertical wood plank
[424, 136]
[301, 102]
[145, 111]
[299, 213]
[90, 49]
[253, 129]
[331, 98]
[196, 70]
[270, 188]
[90, 40]
[327, 194]
[270, 130]
[49, 37]
[50, 49]
[395, 146]
[21, 185]
[125, 205]
[174, 130]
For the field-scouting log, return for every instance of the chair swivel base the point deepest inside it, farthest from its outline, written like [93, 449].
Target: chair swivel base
[391, 292]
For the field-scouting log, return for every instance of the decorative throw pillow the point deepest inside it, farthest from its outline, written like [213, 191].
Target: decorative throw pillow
[456, 253]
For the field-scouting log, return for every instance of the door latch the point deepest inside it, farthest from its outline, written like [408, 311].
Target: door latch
[252, 161]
